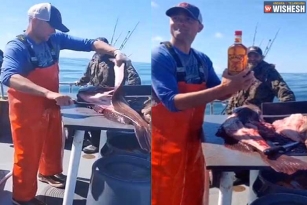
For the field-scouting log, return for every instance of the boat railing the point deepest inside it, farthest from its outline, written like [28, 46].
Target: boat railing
[2, 90]
[71, 85]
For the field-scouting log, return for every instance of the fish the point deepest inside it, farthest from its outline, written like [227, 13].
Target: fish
[146, 111]
[99, 98]
[246, 131]
[293, 127]
[111, 103]
[142, 105]
[141, 127]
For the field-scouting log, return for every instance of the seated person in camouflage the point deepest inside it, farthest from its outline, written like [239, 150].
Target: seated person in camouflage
[100, 71]
[268, 84]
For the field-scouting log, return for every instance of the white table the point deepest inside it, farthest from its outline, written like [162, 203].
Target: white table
[220, 158]
[81, 119]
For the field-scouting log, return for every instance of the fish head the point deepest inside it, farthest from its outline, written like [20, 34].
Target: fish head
[248, 113]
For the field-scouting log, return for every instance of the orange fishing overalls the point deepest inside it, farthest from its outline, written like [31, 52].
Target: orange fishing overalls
[177, 158]
[36, 132]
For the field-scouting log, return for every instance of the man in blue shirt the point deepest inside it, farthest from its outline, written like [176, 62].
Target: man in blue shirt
[30, 70]
[183, 81]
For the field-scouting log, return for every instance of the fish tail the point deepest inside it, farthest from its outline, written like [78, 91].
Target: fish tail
[143, 135]
[285, 164]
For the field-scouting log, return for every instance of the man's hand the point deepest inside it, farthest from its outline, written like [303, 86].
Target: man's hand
[234, 83]
[104, 48]
[120, 58]
[61, 100]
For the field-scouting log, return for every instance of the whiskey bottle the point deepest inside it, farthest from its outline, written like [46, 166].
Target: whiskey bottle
[237, 55]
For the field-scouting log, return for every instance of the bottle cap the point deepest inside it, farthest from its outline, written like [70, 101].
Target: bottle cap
[239, 33]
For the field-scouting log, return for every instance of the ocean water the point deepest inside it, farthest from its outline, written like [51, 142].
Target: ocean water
[71, 69]
[296, 81]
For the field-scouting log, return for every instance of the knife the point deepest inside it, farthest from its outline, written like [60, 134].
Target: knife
[83, 103]
[282, 148]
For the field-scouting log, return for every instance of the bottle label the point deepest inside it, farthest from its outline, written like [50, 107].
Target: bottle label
[238, 40]
[236, 63]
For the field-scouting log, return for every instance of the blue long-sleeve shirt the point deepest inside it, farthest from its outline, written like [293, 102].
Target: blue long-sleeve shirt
[17, 58]
[163, 73]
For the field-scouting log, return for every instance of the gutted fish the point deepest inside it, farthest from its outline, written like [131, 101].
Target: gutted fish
[146, 111]
[110, 102]
[293, 127]
[141, 105]
[245, 130]
[141, 127]
[100, 98]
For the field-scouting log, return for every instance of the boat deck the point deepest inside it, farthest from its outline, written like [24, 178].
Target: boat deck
[50, 195]
[54, 196]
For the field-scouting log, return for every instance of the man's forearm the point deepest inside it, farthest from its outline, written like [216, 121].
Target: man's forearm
[199, 98]
[24, 85]
[104, 48]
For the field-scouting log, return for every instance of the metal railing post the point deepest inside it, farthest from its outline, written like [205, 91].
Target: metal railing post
[211, 108]
[2, 90]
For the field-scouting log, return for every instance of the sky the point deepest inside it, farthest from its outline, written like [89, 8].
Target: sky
[222, 17]
[88, 20]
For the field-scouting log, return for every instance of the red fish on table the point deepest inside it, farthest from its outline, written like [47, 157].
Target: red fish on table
[110, 102]
[293, 127]
[245, 130]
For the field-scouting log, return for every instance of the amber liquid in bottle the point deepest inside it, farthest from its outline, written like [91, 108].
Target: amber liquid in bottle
[237, 55]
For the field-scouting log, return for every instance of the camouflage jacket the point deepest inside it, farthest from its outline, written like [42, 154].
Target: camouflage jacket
[100, 71]
[268, 85]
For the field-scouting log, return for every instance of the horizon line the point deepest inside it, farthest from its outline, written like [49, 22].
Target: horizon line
[83, 58]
